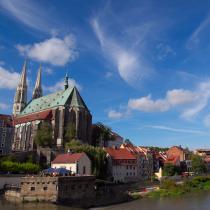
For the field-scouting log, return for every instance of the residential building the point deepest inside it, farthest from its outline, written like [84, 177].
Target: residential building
[144, 160]
[6, 134]
[179, 156]
[122, 165]
[58, 109]
[77, 163]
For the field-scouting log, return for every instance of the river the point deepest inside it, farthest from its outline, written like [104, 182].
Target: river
[196, 201]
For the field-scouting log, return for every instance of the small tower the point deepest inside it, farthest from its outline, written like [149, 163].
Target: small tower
[66, 84]
[38, 86]
[20, 99]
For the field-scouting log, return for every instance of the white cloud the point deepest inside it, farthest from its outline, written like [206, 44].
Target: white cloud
[29, 13]
[191, 102]
[4, 106]
[8, 79]
[55, 51]
[202, 99]
[177, 130]
[146, 104]
[60, 85]
[131, 66]
[112, 114]
[173, 98]
[180, 96]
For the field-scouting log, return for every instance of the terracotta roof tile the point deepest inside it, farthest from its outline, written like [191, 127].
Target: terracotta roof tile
[68, 158]
[120, 154]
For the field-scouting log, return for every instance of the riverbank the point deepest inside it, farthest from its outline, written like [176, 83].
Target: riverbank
[170, 188]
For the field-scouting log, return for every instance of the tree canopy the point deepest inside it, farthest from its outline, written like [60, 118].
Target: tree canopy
[198, 164]
[171, 170]
[101, 134]
[96, 154]
[43, 136]
[70, 132]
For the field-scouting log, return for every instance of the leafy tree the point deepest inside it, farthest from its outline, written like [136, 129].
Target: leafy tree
[101, 133]
[198, 164]
[43, 136]
[96, 154]
[170, 170]
[70, 131]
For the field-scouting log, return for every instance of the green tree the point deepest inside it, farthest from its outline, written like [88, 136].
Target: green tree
[198, 164]
[96, 154]
[170, 170]
[70, 131]
[101, 133]
[43, 136]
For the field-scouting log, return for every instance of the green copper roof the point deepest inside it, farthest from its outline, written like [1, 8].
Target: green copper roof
[56, 99]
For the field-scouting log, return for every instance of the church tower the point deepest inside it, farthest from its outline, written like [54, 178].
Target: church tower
[20, 99]
[37, 93]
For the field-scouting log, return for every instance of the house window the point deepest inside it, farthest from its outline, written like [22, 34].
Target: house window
[44, 188]
[32, 188]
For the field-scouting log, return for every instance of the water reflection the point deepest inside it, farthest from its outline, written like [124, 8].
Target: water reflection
[196, 201]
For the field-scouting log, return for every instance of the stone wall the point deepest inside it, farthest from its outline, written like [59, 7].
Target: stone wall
[9, 180]
[74, 191]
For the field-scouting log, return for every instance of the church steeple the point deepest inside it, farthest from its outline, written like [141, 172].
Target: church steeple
[66, 84]
[38, 86]
[20, 99]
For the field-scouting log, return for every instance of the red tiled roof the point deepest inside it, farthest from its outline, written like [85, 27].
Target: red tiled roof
[172, 159]
[120, 154]
[35, 116]
[68, 158]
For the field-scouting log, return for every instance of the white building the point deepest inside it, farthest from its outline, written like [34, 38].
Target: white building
[77, 163]
[122, 165]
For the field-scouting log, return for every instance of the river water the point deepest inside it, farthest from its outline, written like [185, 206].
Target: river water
[196, 201]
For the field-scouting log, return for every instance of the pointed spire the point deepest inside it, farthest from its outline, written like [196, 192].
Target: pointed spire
[20, 99]
[38, 86]
[66, 84]
[23, 74]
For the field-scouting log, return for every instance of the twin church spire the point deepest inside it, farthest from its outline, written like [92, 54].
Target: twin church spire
[20, 100]
[38, 86]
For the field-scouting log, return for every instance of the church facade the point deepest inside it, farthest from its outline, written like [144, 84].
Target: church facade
[58, 109]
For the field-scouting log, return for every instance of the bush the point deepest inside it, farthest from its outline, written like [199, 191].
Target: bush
[15, 167]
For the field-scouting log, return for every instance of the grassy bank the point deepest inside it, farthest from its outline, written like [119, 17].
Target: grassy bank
[169, 188]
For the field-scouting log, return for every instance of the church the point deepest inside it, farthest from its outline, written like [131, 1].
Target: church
[58, 109]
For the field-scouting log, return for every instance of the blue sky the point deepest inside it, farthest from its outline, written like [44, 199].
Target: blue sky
[142, 67]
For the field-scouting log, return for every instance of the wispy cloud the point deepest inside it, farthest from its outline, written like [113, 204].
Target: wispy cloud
[195, 37]
[130, 65]
[177, 130]
[55, 51]
[29, 13]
